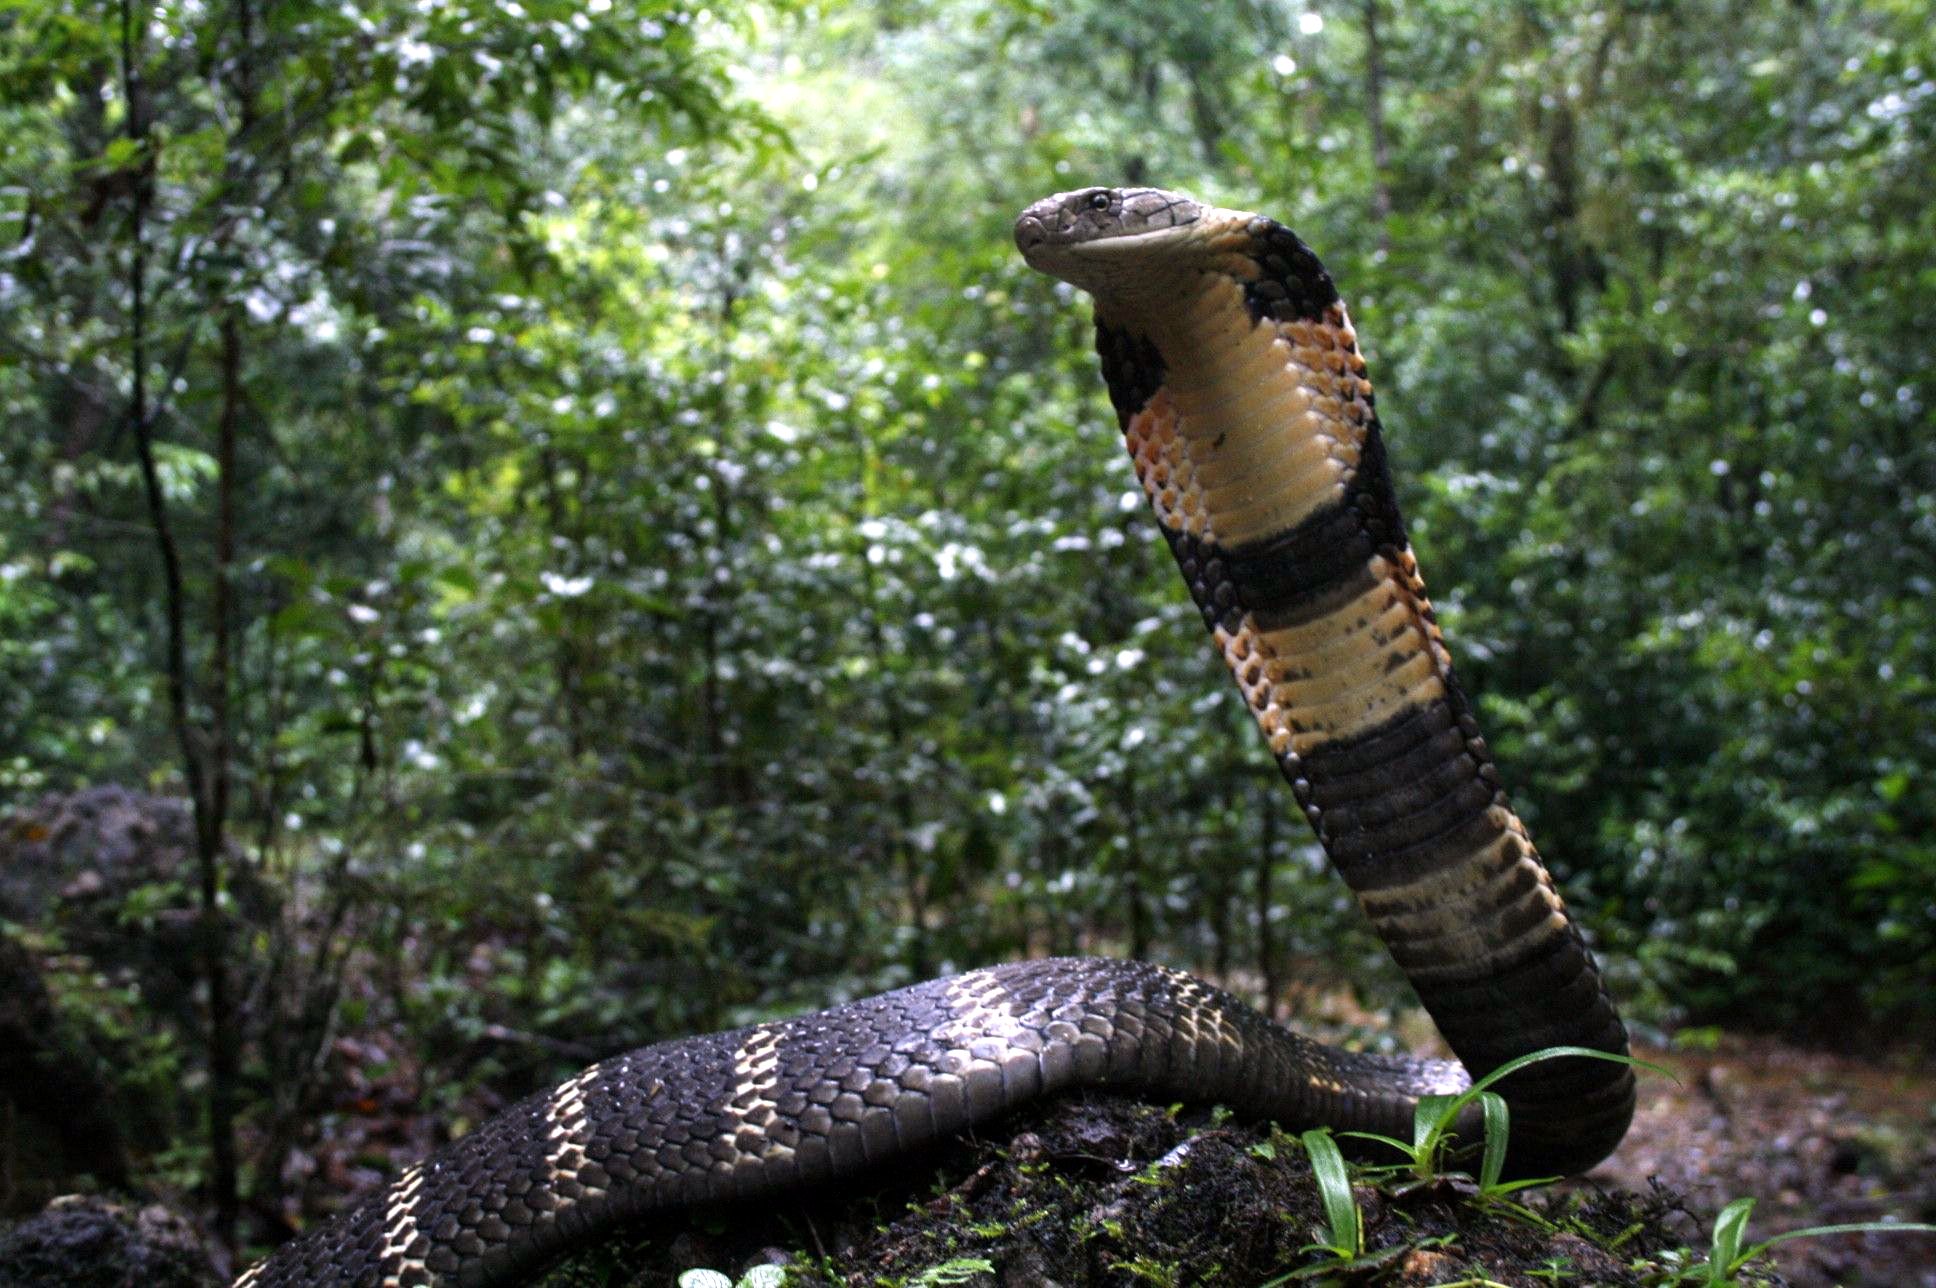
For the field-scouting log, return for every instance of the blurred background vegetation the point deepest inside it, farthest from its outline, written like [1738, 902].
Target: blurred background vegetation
[588, 507]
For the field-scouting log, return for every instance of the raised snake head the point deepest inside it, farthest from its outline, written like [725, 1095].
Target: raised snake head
[1095, 238]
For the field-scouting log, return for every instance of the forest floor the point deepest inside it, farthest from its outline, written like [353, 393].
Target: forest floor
[1816, 1139]
[1105, 1192]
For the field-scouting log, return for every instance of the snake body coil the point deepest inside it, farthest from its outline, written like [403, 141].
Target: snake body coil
[1243, 400]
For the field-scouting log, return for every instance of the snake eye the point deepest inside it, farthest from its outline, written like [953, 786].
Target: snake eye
[1099, 200]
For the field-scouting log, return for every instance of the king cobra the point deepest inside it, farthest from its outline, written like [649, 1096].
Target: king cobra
[1242, 398]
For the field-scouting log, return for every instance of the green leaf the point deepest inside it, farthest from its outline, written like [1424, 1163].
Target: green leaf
[1730, 1228]
[957, 1271]
[1428, 1117]
[1856, 1227]
[1334, 1190]
[1498, 1123]
[1513, 1066]
[120, 153]
[1393, 1141]
[764, 1277]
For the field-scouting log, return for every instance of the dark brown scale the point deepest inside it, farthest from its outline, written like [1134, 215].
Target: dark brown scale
[1371, 493]
[1132, 370]
[1281, 577]
[1445, 962]
[1291, 285]
[1374, 749]
[1370, 848]
[1336, 789]
[1296, 610]
[1515, 886]
[1202, 566]
[1381, 870]
[1410, 795]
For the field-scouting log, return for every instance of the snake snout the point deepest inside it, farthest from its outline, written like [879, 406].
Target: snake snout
[1031, 234]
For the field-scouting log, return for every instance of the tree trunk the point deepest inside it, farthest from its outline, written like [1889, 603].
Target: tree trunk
[204, 754]
[1381, 202]
[211, 820]
[1266, 865]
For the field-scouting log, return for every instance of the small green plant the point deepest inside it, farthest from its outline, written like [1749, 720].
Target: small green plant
[1435, 1117]
[958, 1271]
[1267, 1149]
[1148, 1270]
[1728, 1257]
[1345, 1252]
[1334, 1191]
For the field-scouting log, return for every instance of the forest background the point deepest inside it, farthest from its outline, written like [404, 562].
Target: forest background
[589, 509]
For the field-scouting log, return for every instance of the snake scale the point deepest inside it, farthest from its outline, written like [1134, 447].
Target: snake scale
[1243, 401]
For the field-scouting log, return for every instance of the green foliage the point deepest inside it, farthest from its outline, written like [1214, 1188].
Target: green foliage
[684, 572]
[1435, 1120]
[959, 1270]
[1729, 1253]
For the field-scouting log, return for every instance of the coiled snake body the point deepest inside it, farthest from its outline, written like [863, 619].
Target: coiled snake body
[1244, 404]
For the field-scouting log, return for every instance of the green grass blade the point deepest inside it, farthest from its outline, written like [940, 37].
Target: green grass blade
[1730, 1231]
[1856, 1227]
[1498, 1125]
[960, 1270]
[1554, 1053]
[1334, 1189]
[1393, 1141]
[1505, 1188]
[1430, 1117]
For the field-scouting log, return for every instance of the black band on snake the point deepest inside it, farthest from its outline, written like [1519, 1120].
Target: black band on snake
[1243, 401]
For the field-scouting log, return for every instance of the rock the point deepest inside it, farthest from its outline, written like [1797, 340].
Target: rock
[60, 1120]
[115, 872]
[80, 1241]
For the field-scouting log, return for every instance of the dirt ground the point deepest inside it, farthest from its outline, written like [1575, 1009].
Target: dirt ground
[1815, 1139]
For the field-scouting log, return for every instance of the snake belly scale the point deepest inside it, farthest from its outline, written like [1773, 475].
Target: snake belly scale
[1244, 404]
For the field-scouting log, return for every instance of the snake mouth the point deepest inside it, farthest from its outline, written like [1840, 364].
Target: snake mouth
[1042, 249]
